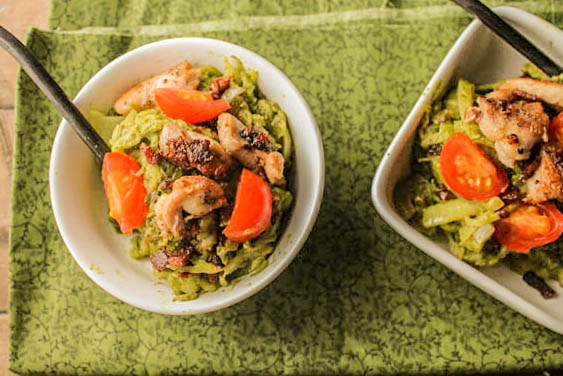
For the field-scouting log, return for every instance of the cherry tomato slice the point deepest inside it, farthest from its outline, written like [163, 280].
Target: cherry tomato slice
[195, 95]
[253, 208]
[468, 171]
[191, 106]
[556, 128]
[530, 226]
[124, 190]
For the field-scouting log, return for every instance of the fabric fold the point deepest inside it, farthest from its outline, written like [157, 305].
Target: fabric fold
[128, 14]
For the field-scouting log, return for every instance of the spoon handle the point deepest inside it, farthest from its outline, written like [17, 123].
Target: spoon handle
[511, 36]
[54, 93]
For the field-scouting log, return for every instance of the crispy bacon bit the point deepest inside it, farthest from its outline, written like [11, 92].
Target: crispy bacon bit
[192, 229]
[512, 194]
[214, 258]
[435, 149]
[218, 86]
[183, 275]
[222, 239]
[213, 278]
[443, 193]
[275, 212]
[503, 213]
[152, 157]
[225, 215]
[539, 284]
[492, 246]
[180, 257]
[209, 124]
[159, 259]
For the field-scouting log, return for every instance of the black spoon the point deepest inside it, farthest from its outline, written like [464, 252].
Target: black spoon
[511, 36]
[54, 93]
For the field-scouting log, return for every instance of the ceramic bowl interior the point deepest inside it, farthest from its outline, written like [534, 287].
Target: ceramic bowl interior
[79, 202]
[479, 57]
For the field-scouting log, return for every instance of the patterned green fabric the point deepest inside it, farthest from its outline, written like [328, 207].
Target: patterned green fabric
[124, 14]
[357, 300]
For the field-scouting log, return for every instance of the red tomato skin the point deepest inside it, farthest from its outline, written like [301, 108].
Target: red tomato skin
[507, 235]
[125, 191]
[195, 95]
[459, 143]
[253, 208]
[174, 104]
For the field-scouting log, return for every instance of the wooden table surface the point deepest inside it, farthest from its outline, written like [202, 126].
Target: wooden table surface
[17, 16]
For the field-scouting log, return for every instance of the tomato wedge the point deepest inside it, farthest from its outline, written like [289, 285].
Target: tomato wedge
[253, 208]
[195, 95]
[468, 171]
[556, 128]
[530, 226]
[124, 190]
[189, 105]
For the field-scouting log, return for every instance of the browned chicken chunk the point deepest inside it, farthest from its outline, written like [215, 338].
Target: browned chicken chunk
[141, 96]
[189, 149]
[195, 195]
[547, 181]
[250, 147]
[530, 89]
[514, 127]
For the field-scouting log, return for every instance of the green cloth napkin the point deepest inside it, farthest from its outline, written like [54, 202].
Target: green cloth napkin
[123, 14]
[357, 300]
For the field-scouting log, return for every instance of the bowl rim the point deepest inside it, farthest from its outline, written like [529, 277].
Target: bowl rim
[379, 189]
[311, 211]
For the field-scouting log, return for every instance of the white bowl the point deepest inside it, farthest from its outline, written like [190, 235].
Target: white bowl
[78, 197]
[480, 57]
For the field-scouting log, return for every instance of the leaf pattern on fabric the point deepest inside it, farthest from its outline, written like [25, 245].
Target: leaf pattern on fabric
[123, 14]
[358, 299]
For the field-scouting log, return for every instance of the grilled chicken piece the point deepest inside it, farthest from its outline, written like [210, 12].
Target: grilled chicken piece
[272, 163]
[530, 89]
[547, 181]
[515, 128]
[250, 147]
[196, 195]
[189, 149]
[141, 96]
